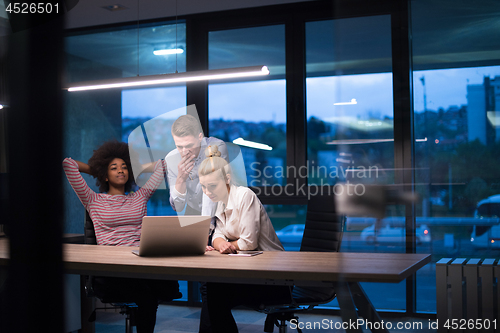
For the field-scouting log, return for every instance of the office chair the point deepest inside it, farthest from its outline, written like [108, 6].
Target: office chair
[323, 233]
[127, 307]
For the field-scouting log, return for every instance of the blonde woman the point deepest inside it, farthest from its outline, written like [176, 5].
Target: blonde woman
[241, 224]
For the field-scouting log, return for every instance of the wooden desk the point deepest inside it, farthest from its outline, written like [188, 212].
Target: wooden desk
[343, 270]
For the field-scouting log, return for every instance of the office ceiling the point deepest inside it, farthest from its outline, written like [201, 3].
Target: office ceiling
[449, 33]
[446, 33]
[91, 12]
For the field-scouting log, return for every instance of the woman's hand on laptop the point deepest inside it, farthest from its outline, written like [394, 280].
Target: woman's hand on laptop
[209, 248]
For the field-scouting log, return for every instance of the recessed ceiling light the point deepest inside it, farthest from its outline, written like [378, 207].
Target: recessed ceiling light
[113, 8]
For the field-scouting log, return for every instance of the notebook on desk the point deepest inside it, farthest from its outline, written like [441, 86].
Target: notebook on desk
[173, 235]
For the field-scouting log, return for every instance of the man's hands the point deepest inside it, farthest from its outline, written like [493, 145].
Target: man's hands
[185, 166]
[183, 169]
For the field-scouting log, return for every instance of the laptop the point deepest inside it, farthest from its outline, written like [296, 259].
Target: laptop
[173, 236]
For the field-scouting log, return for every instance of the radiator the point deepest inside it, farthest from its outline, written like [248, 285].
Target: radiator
[467, 295]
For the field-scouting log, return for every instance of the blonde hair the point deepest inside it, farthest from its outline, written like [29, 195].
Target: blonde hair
[186, 125]
[213, 162]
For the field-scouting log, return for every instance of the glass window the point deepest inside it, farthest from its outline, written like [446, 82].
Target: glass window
[456, 108]
[127, 51]
[141, 105]
[248, 47]
[455, 127]
[350, 129]
[251, 113]
[94, 117]
[97, 116]
[349, 100]
[289, 222]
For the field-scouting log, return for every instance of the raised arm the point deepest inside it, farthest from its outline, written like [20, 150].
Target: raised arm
[147, 168]
[83, 167]
[72, 169]
[158, 168]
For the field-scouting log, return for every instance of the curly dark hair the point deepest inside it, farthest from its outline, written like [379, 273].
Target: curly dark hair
[101, 158]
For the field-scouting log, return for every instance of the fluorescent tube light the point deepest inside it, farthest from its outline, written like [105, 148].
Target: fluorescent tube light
[364, 141]
[138, 81]
[352, 102]
[168, 51]
[251, 144]
[1, 106]
[357, 141]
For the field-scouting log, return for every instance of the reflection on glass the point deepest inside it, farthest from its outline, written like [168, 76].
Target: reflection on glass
[248, 47]
[289, 222]
[258, 126]
[350, 129]
[251, 114]
[349, 101]
[94, 117]
[350, 139]
[139, 106]
[456, 101]
[126, 52]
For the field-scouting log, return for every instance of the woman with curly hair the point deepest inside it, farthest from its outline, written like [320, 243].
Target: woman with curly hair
[117, 217]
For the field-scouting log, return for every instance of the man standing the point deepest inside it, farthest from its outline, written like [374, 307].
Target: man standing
[183, 163]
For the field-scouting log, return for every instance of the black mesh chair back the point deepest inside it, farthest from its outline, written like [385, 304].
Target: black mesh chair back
[89, 236]
[324, 228]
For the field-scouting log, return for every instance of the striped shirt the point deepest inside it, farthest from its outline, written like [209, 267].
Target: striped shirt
[117, 218]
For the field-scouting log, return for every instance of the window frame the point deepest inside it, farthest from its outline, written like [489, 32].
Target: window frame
[295, 16]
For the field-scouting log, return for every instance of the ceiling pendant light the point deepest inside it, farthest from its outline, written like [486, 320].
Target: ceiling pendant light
[162, 79]
[138, 81]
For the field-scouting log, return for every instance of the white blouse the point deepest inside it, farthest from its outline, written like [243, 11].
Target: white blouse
[244, 219]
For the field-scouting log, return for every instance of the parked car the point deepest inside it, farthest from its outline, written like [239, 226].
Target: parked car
[388, 234]
[291, 233]
[487, 212]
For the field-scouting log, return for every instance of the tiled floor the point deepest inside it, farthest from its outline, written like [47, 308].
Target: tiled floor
[183, 319]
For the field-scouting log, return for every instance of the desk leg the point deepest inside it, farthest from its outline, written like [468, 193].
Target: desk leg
[347, 307]
[366, 308]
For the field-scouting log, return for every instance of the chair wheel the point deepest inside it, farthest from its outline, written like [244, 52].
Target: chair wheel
[269, 323]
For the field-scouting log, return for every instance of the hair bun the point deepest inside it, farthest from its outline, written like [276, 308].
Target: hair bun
[212, 151]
